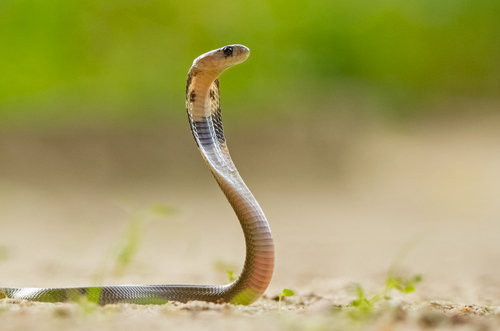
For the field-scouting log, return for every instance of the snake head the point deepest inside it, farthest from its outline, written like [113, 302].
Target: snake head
[220, 59]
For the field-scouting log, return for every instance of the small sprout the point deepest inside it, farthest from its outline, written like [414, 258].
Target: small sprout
[126, 248]
[226, 268]
[129, 246]
[162, 210]
[362, 302]
[287, 293]
[362, 307]
[402, 284]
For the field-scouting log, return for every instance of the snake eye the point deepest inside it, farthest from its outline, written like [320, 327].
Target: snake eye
[228, 51]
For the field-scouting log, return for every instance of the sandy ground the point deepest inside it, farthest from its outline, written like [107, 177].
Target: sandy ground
[344, 201]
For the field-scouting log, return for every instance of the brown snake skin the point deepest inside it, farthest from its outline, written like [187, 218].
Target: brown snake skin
[204, 113]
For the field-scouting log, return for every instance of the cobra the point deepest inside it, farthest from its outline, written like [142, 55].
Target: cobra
[204, 113]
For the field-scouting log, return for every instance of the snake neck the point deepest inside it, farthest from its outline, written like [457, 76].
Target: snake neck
[202, 103]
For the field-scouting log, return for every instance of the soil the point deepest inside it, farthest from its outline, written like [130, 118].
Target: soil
[344, 208]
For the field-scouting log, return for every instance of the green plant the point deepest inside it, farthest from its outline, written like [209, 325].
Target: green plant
[362, 302]
[394, 280]
[226, 268]
[287, 293]
[128, 245]
[402, 284]
[363, 307]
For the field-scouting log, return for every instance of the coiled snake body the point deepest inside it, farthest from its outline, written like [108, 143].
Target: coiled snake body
[204, 113]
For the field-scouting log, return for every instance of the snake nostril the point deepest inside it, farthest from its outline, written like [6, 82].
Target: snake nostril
[228, 51]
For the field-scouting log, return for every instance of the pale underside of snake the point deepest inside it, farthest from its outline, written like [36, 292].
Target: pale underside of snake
[204, 113]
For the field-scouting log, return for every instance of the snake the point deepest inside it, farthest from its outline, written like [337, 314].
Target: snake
[204, 114]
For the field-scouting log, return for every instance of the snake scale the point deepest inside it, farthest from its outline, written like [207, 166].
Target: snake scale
[204, 113]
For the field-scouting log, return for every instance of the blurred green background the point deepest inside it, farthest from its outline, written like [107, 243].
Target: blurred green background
[121, 63]
[357, 124]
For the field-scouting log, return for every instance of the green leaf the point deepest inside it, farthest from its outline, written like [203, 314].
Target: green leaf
[360, 292]
[288, 293]
[409, 289]
[391, 283]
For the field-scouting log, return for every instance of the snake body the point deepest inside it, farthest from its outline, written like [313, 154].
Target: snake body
[204, 113]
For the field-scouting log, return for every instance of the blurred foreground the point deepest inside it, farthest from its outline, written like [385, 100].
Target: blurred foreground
[342, 202]
[345, 196]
